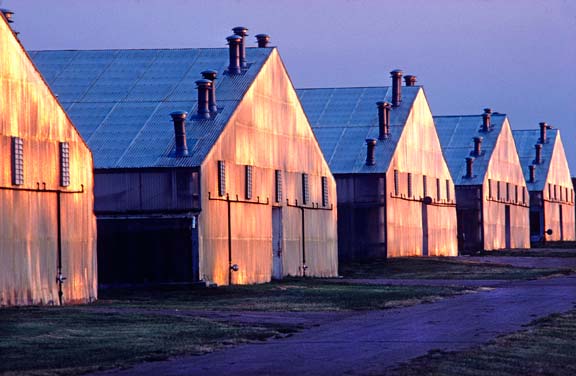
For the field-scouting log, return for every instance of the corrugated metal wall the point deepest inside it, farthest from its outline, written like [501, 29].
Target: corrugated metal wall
[28, 224]
[504, 167]
[270, 132]
[559, 198]
[418, 152]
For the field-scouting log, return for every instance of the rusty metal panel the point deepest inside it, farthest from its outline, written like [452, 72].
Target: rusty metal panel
[270, 132]
[30, 212]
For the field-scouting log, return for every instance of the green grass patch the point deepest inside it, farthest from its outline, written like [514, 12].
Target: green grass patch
[546, 347]
[441, 268]
[295, 295]
[534, 252]
[69, 340]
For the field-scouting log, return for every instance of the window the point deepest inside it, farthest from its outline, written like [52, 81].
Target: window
[561, 193]
[424, 186]
[508, 192]
[438, 193]
[324, 191]
[248, 183]
[516, 193]
[409, 184]
[555, 197]
[566, 195]
[549, 191]
[447, 189]
[490, 188]
[396, 188]
[524, 195]
[278, 184]
[17, 161]
[305, 189]
[64, 164]
[221, 178]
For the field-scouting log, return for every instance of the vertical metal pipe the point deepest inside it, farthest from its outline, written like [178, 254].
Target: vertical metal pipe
[204, 87]
[370, 146]
[211, 75]
[396, 87]
[59, 276]
[263, 40]
[469, 167]
[179, 120]
[410, 80]
[486, 117]
[543, 127]
[478, 146]
[304, 267]
[532, 173]
[538, 157]
[234, 51]
[242, 32]
[383, 120]
[229, 239]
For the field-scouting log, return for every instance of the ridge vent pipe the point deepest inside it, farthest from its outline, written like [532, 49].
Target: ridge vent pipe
[396, 87]
[538, 157]
[543, 127]
[204, 89]
[263, 40]
[478, 146]
[234, 52]
[486, 120]
[532, 173]
[383, 120]
[242, 32]
[211, 75]
[469, 167]
[410, 80]
[371, 145]
[179, 119]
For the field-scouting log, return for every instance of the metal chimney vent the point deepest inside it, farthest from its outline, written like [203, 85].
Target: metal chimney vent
[241, 31]
[371, 145]
[179, 119]
[396, 87]
[478, 146]
[383, 120]
[532, 173]
[234, 42]
[8, 14]
[469, 167]
[211, 75]
[486, 120]
[538, 158]
[543, 127]
[204, 89]
[263, 40]
[410, 80]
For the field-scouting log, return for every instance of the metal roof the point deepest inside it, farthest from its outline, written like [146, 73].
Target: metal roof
[121, 100]
[456, 134]
[343, 118]
[525, 141]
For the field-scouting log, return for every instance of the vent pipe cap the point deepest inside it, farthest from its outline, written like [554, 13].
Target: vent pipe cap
[263, 40]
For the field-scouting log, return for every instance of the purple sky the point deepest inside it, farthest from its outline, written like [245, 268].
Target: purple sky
[515, 56]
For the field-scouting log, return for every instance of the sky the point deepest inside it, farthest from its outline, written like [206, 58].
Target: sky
[516, 56]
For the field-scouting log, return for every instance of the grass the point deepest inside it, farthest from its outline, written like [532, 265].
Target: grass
[441, 268]
[534, 252]
[67, 340]
[293, 295]
[546, 347]
[126, 327]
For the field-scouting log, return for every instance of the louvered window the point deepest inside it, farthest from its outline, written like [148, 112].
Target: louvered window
[507, 191]
[324, 191]
[248, 182]
[498, 193]
[549, 191]
[305, 189]
[490, 188]
[555, 197]
[448, 195]
[524, 195]
[221, 178]
[409, 184]
[438, 192]
[64, 164]
[396, 188]
[278, 184]
[17, 161]
[516, 193]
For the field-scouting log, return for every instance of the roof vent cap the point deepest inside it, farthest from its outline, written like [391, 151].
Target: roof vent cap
[263, 40]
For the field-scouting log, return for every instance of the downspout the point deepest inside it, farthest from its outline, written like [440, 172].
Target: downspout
[229, 240]
[304, 267]
[59, 277]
